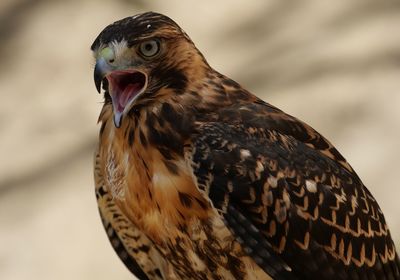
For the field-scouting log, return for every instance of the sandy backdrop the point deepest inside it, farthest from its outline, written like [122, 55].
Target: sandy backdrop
[334, 65]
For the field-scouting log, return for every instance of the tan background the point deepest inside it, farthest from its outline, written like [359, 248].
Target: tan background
[334, 65]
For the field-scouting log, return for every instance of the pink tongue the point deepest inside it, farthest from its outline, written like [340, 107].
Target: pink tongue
[126, 94]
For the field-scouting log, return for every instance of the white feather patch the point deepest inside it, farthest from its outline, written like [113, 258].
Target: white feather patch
[311, 186]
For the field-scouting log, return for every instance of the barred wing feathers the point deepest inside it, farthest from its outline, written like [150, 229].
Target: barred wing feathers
[289, 197]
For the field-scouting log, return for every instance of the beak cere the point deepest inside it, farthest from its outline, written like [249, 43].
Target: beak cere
[124, 87]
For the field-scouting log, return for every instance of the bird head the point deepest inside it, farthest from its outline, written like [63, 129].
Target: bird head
[143, 59]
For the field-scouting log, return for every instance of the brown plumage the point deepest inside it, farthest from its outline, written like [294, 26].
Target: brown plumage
[196, 178]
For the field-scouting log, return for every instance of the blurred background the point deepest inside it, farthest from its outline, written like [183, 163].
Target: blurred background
[335, 65]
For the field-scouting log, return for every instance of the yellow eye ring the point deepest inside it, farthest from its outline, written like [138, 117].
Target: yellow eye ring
[149, 48]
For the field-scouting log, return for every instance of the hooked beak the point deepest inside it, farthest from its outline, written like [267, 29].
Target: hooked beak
[125, 86]
[100, 71]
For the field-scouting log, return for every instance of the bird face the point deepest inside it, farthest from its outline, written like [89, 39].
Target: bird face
[126, 71]
[138, 58]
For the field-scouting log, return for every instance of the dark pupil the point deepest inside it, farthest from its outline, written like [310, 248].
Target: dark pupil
[148, 47]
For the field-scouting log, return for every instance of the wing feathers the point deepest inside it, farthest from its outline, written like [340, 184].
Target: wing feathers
[256, 246]
[267, 170]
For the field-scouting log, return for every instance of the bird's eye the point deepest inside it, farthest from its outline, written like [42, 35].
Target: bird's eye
[149, 48]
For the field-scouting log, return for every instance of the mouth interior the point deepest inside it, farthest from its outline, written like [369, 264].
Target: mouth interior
[125, 85]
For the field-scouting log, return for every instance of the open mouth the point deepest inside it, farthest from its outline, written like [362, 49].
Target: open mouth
[125, 85]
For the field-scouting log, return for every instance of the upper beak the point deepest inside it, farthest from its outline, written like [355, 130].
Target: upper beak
[100, 71]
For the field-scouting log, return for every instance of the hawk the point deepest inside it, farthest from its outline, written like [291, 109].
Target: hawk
[197, 178]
